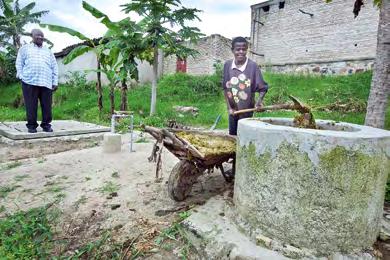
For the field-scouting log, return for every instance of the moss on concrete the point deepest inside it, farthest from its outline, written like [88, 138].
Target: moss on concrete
[332, 206]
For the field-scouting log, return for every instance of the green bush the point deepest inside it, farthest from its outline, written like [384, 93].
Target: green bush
[78, 79]
[189, 86]
[7, 68]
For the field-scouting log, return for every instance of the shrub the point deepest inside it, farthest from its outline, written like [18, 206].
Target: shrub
[78, 79]
[187, 85]
[7, 68]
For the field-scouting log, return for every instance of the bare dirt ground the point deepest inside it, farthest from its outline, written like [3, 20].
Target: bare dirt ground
[95, 192]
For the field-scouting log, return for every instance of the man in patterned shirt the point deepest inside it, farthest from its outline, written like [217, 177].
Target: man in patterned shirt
[241, 80]
[37, 69]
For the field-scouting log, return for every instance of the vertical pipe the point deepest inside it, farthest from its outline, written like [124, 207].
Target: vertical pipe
[131, 132]
[113, 124]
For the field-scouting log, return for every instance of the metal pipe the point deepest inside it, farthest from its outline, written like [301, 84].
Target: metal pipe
[131, 131]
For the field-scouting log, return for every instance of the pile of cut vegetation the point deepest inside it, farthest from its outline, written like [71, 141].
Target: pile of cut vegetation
[209, 145]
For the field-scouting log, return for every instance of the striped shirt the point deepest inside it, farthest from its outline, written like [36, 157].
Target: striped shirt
[37, 66]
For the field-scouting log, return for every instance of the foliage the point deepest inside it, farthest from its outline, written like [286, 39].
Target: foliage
[79, 80]
[116, 50]
[13, 19]
[30, 235]
[316, 91]
[12, 22]
[7, 67]
[175, 233]
[186, 85]
[158, 19]
[25, 235]
[4, 190]
[109, 187]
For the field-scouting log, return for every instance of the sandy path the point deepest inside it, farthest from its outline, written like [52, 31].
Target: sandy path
[83, 179]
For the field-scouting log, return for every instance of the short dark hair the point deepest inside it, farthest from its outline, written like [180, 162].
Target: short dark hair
[237, 40]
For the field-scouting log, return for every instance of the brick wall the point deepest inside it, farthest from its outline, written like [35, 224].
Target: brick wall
[211, 49]
[292, 39]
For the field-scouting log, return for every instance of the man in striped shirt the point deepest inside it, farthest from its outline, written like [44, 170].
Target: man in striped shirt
[37, 69]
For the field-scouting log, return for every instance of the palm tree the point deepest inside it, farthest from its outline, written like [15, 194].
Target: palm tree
[13, 19]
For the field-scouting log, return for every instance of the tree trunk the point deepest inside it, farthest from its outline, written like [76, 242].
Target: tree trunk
[154, 83]
[112, 98]
[380, 84]
[99, 87]
[16, 41]
[124, 96]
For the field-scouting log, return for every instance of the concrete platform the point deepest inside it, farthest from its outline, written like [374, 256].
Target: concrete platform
[18, 130]
[213, 230]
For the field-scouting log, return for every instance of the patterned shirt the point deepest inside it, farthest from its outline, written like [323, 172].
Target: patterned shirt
[242, 83]
[37, 66]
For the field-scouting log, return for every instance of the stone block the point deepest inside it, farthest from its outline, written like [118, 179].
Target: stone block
[112, 143]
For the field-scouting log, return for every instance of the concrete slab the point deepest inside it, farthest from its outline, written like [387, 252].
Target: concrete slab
[215, 236]
[18, 131]
[214, 231]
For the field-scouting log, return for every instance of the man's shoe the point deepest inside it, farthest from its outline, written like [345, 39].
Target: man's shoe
[32, 130]
[48, 130]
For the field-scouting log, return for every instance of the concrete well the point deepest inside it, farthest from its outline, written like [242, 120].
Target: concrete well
[321, 190]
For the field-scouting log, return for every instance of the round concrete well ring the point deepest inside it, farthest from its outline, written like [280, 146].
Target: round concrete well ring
[318, 189]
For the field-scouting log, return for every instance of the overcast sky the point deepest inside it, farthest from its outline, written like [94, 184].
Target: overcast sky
[229, 18]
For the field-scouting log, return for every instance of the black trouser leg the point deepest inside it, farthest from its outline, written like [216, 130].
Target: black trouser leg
[30, 95]
[233, 125]
[45, 98]
[233, 122]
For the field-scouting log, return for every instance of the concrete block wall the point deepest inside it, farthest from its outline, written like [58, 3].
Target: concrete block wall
[332, 34]
[211, 49]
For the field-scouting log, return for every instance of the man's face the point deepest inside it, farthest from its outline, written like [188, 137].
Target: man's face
[38, 38]
[239, 51]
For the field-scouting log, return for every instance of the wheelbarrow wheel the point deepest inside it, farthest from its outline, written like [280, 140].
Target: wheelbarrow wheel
[182, 177]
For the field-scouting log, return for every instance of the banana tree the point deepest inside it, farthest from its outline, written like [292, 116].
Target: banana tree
[159, 16]
[80, 50]
[13, 20]
[116, 51]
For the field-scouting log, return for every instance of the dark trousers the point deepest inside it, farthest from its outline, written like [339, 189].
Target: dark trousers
[31, 96]
[233, 122]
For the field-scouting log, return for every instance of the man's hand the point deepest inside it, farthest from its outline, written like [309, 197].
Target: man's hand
[54, 88]
[231, 111]
[259, 105]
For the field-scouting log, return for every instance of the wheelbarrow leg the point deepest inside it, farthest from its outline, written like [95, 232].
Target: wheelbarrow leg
[229, 174]
[181, 179]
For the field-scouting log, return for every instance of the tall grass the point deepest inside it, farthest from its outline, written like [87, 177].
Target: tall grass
[204, 92]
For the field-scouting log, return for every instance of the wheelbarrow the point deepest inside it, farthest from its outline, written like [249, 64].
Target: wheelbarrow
[198, 152]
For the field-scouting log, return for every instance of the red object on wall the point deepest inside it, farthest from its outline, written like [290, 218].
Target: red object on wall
[181, 65]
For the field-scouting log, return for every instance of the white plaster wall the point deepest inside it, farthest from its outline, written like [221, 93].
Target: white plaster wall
[88, 61]
[332, 34]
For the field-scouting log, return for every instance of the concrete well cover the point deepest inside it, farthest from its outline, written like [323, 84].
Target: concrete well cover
[18, 130]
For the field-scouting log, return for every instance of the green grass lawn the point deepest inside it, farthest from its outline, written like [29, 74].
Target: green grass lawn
[319, 92]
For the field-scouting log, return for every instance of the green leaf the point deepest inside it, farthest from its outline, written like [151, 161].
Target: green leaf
[28, 8]
[62, 29]
[98, 14]
[76, 52]
[7, 9]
